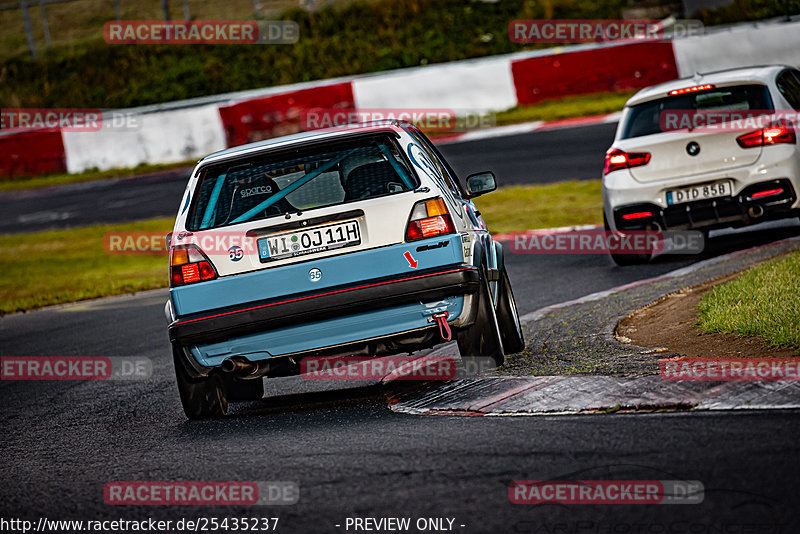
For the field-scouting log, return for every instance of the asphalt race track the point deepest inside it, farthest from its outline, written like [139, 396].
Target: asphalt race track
[573, 153]
[349, 454]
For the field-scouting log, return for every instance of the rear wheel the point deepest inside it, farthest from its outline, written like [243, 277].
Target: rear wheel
[626, 259]
[483, 338]
[508, 317]
[202, 398]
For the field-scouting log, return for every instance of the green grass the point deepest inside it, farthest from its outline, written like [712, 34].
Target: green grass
[40, 269]
[519, 208]
[33, 182]
[45, 268]
[763, 301]
[567, 107]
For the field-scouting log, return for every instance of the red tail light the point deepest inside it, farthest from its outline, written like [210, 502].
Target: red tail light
[617, 159]
[767, 193]
[637, 215]
[188, 264]
[776, 133]
[429, 218]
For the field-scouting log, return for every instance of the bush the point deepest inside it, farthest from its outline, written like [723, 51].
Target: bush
[334, 41]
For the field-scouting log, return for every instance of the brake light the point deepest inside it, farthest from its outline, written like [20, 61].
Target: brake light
[429, 218]
[767, 193]
[617, 159]
[188, 264]
[781, 133]
[637, 215]
[776, 133]
[692, 89]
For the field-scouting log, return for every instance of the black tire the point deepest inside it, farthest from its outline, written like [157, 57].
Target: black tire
[202, 398]
[483, 338]
[626, 259]
[243, 390]
[508, 317]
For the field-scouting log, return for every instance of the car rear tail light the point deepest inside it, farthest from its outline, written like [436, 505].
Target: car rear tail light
[638, 215]
[617, 159]
[767, 193]
[429, 218]
[776, 133]
[692, 89]
[188, 264]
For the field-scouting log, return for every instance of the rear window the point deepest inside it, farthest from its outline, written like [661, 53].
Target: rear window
[643, 119]
[273, 185]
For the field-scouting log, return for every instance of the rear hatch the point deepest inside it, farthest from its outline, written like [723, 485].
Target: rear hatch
[277, 209]
[715, 116]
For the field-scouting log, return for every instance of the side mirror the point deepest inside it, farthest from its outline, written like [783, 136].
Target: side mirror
[480, 183]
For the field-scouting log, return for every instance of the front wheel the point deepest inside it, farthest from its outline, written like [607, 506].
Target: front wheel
[508, 317]
[202, 398]
[483, 338]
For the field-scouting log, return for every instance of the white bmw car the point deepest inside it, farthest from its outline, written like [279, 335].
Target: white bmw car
[715, 150]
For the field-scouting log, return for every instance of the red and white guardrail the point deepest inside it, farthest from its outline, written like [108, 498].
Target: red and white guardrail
[184, 130]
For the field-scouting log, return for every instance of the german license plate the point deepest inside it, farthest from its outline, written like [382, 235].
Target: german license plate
[699, 192]
[309, 241]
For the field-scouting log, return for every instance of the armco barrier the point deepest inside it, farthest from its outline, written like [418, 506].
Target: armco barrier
[614, 68]
[32, 153]
[179, 131]
[276, 115]
[476, 85]
[160, 137]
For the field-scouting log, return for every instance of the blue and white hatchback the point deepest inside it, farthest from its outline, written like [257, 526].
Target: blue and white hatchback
[355, 240]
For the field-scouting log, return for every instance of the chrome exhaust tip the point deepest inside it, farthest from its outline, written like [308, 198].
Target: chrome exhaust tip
[244, 368]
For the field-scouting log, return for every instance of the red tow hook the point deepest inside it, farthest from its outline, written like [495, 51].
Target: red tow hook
[444, 328]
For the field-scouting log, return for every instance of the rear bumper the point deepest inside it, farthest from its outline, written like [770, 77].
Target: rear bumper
[779, 163]
[743, 208]
[218, 325]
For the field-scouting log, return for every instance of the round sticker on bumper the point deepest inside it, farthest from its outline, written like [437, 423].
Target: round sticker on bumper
[235, 253]
[315, 275]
